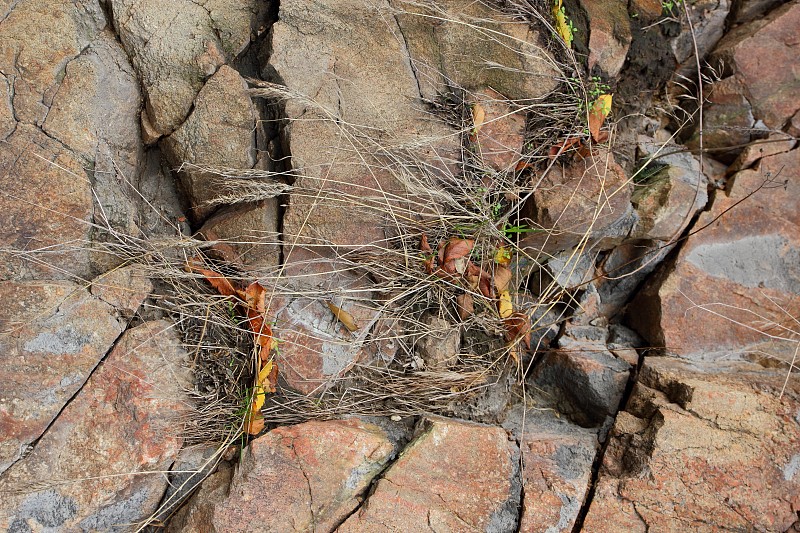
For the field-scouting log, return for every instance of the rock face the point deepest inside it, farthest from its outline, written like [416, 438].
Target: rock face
[176, 47]
[419, 491]
[219, 133]
[734, 276]
[125, 414]
[308, 487]
[586, 196]
[702, 449]
[57, 332]
[316, 346]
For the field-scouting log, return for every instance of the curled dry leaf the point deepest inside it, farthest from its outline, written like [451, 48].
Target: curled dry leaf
[217, 280]
[343, 316]
[254, 422]
[478, 117]
[562, 147]
[457, 248]
[598, 112]
[465, 306]
[502, 277]
[518, 327]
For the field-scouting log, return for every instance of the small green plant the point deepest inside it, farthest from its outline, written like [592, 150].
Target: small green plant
[667, 6]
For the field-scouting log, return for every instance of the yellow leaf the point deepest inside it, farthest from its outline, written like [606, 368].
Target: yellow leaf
[502, 256]
[504, 305]
[478, 116]
[263, 386]
[343, 316]
[562, 26]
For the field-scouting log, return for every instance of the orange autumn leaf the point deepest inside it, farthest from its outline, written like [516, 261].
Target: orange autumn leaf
[600, 109]
[254, 296]
[217, 280]
[518, 327]
[343, 316]
[254, 422]
[522, 165]
[478, 117]
[457, 248]
[562, 147]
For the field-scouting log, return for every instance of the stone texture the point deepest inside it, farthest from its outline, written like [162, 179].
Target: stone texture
[557, 459]
[52, 335]
[498, 142]
[421, 491]
[702, 448]
[708, 21]
[81, 475]
[450, 44]
[250, 231]
[742, 267]
[47, 209]
[439, 347]
[307, 477]
[667, 202]
[771, 87]
[175, 47]
[347, 66]
[609, 34]
[123, 288]
[197, 515]
[219, 133]
[586, 380]
[728, 119]
[589, 195]
[38, 39]
[315, 346]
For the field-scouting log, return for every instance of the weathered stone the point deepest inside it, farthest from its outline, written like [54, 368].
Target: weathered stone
[708, 26]
[46, 220]
[175, 47]
[702, 448]
[124, 288]
[250, 231]
[219, 133]
[667, 202]
[439, 346]
[450, 44]
[741, 271]
[498, 141]
[419, 491]
[727, 119]
[99, 465]
[775, 143]
[7, 120]
[571, 269]
[37, 40]
[197, 515]
[589, 196]
[772, 88]
[586, 379]
[645, 10]
[609, 34]
[746, 10]
[315, 346]
[309, 488]
[357, 104]
[557, 459]
[53, 335]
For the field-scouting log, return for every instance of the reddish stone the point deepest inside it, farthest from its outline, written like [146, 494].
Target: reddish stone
[250, 231]
[307, 477]
[125, 288]
[498, 141]
[736, 274]
[49, 214]
[702, 448]
[557, 467]
[609, 34]
[315, 347]
[101, 462]
[52, 335]
[454, 476]
[727, 119]
[589, 195]
[772, 85]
